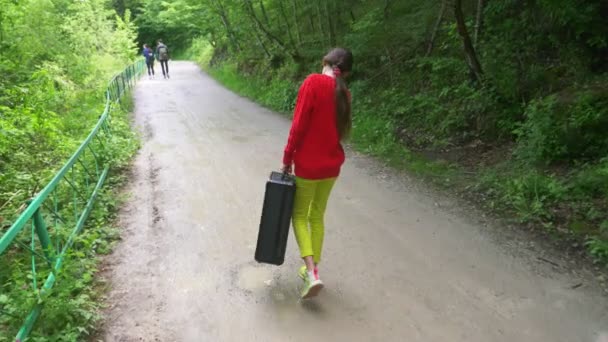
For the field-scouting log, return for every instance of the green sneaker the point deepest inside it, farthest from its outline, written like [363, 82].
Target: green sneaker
[302, 272]
[312, 285]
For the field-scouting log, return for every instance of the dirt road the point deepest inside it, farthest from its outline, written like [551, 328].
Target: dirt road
[398, 266]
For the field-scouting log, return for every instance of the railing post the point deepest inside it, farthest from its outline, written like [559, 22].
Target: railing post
[122, 77]
[130, 76]
[43, 233]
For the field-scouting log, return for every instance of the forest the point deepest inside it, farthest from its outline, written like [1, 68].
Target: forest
[504, 103]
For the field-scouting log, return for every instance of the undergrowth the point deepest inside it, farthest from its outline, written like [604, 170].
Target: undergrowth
[72, 307]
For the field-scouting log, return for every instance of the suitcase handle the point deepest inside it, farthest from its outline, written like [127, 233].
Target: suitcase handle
[286, 175]
[281, 176]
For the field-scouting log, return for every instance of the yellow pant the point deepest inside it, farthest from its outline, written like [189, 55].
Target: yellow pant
[309, 209]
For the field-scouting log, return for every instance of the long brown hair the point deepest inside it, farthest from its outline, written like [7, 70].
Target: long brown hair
[341, 61]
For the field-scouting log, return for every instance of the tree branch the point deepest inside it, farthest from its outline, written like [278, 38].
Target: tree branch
[478, 21]
[469, 50]
[436, 28]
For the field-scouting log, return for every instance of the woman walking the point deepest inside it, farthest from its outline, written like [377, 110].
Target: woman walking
[149, 56]
[322, 119]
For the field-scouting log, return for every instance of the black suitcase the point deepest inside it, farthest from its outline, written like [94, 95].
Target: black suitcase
[276, 219]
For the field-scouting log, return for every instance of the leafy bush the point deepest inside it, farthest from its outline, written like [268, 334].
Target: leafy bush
[598, 248]
[557, 130]
[276, 93]
[529, 194]
[591, 181]
[201, 51]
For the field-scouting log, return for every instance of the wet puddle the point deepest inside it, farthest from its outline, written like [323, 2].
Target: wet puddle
[252, 278]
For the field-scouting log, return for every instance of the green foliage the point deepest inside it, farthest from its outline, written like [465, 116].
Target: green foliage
[275, 92]
[200, 51]
[543, 89]
[591, 182]
[598, 248]
[56, 58]
[529, 193]
[72, 307]
[565, 129]
[54, 95]
[122, 45]
[567, 40]
[176, 22]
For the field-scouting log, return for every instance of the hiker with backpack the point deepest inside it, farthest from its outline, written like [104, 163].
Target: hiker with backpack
[162, 53]
[149, 56]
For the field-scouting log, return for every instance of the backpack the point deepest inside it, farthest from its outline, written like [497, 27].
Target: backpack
[150, 56]
[163, 53]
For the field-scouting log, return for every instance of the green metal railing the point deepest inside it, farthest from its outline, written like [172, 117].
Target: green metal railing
[58, 212]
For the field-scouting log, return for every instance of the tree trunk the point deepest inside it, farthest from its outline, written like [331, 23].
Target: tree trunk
[213, 39]
[270, 35]
[222, 13]
[469, 50]
[330, 24]
[390, 63]
[296, 21]
[478, 21]
[260, 41]
[264, 14]
[320, 22]
[1, 26]
[235, 42]
[429, 48]
[284, 15]
[312, 23]
[307, 9]
[386, 10]
[341, 18]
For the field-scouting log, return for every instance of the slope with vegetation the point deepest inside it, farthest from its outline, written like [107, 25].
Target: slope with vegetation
[505, 100]
[56, 59]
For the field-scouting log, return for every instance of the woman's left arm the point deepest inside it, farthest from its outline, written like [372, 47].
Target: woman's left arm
[301, 118]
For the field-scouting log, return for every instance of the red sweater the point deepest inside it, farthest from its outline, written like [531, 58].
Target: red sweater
[314, 144]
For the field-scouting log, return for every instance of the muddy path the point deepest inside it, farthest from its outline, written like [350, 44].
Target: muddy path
[398, 266]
